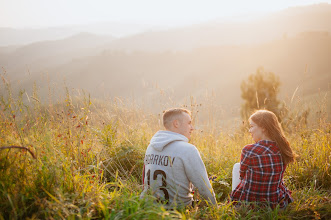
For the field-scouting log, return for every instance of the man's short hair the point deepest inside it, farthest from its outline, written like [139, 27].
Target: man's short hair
[171, 114]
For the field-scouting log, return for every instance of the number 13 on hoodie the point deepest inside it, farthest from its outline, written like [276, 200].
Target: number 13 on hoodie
[164, 182]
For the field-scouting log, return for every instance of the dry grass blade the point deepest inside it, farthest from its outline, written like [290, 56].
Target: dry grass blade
[19, 147]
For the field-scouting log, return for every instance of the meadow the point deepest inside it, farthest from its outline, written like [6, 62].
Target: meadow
[83, 159]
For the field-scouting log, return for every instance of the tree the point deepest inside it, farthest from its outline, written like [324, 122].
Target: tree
[260, 91]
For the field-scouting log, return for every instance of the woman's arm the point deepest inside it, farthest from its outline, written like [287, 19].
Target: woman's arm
[244, 162]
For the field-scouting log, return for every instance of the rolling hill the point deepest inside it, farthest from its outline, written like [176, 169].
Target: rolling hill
[295, 44]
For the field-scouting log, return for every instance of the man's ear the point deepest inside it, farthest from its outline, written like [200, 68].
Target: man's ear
[175, 123]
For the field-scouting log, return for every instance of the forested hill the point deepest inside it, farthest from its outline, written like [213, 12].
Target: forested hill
[294, 44]
[302, 61]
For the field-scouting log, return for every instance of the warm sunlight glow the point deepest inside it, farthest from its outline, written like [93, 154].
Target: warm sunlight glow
[36, 13]
[84, 85]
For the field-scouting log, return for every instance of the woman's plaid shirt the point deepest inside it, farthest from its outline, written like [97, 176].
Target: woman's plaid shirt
[261, 174]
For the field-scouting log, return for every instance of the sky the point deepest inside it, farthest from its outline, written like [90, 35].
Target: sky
[50, 13]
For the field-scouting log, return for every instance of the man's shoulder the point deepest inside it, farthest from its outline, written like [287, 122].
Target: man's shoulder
[182, 148]
[186, 145]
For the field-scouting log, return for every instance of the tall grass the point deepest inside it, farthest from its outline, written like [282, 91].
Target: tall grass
[90, 157]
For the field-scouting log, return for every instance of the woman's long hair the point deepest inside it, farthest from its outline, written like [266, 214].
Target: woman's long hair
[268, 121]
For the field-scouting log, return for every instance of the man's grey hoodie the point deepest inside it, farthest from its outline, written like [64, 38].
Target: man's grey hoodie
[172, 165]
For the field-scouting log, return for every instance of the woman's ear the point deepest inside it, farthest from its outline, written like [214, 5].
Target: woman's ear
[265, 132]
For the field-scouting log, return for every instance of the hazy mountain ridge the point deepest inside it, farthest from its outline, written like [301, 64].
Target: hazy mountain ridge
[23, 36]
[12, 36]
[301, 61]
[220, 31]
[179, 65]
[47, 54]
[289, 22]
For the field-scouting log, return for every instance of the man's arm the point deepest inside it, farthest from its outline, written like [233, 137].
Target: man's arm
[143, 176]
[196, 172]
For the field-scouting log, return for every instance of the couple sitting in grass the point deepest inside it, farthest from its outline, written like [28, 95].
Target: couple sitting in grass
[172, 166]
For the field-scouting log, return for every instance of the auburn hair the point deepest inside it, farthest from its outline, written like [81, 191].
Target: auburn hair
[273, 130]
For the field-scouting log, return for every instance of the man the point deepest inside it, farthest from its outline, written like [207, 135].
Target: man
[172, 165]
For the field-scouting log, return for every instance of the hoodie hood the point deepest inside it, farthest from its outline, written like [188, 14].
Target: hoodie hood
[163, 138]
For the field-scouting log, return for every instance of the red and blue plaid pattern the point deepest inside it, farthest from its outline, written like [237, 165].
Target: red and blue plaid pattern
[261, 174]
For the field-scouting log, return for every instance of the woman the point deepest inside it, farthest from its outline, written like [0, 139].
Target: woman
[263, 164]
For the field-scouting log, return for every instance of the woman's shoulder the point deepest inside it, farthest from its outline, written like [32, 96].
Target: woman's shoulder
[262, 147]
[258, 146]
[267, 143]
[250, 148]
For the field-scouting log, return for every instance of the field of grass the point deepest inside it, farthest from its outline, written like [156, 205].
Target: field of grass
[89, 157]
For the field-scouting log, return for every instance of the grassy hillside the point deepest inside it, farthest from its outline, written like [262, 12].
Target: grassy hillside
[89, 157]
